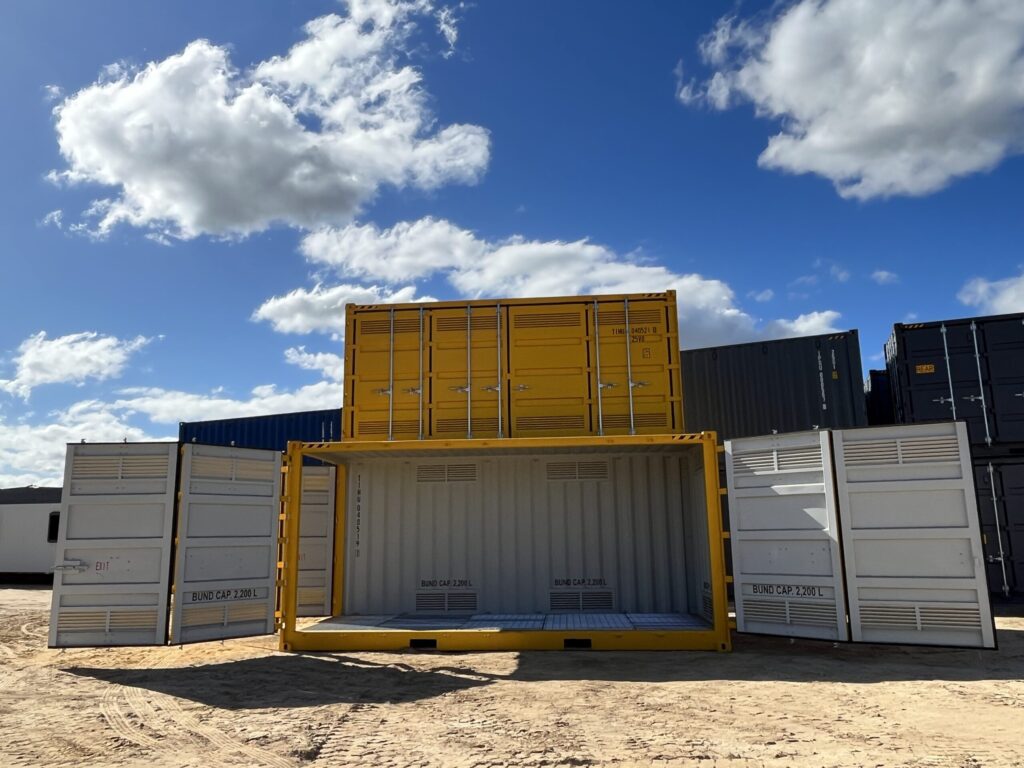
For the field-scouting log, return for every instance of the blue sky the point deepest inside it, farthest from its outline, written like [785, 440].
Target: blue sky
[191, 193]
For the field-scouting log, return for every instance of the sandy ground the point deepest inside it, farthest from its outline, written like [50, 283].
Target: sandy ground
[240, 703]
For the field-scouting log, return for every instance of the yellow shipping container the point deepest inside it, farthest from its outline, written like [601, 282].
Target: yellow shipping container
[513, 368]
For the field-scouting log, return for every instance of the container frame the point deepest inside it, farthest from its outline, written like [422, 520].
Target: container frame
[292, 638]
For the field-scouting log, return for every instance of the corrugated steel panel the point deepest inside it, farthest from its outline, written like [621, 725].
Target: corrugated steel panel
[971, 369]
[788, 385]
[528, 534]
[271, 432]
[316, 541]
[911, 539]
[111, 580]
[513, 368]
[787, 572]
[226, 563]
[1000, 485]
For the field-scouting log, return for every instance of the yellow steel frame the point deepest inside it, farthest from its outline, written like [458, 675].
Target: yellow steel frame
[293, 639]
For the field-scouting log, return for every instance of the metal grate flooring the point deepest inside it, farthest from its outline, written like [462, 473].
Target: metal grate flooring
[555, 622]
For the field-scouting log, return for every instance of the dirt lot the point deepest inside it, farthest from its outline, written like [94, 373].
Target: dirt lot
[240, 703]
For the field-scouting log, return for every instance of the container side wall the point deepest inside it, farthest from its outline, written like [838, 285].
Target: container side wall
[271, 432]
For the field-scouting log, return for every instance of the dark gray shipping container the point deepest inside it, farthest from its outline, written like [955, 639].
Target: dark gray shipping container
[787, 385]
[878, 398]
[270, 432]
[971, 369]
[1000, 487]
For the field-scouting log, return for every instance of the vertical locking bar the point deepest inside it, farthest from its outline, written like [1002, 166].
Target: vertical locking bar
[391, 376]
[420, 389]
[629, 370]
[981, 383]
[597, 360]
[501, 389]
[999, 534]
[469, 372]
[949, 374]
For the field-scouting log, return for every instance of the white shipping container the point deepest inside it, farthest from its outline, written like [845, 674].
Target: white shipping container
[26, 545]
[112, 569]
[890, 510]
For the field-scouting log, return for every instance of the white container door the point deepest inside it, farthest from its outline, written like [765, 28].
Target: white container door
[316, 541]
[787, 573]
[226, 563]
[110, 584]
[911, 538]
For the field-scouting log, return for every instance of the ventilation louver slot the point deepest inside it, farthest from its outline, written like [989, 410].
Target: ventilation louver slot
[597, 601]
[433, 602]
[910, 450]
[480, 322]
[446, 602]
[380, 426]
[754, 463]
[446, 473]
[461, 601]
[799, 458]
[461, 426]
[119, 467]
[549, 320]
[577, 470]
[581, 601]
[549, 422]
[402, 325]
[564, 601]
[920, 617]
[638, 316]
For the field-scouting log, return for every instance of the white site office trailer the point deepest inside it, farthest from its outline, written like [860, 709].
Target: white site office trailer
[28, 530]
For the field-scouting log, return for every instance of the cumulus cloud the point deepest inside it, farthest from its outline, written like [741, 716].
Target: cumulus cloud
[885, 277]
[516, 266]
[72, 359]
[810, 324]
[995, 297]
[762, 296]
[448, 26]
[322, 309]
[193, 145]
[53, 219]
[328, 364]
[881, 98]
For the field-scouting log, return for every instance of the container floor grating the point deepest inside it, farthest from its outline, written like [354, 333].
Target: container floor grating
[555, 622]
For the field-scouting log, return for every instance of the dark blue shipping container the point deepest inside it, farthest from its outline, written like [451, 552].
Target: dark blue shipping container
[271, 432]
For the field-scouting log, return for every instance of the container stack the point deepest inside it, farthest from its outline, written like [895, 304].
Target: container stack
[973, 369]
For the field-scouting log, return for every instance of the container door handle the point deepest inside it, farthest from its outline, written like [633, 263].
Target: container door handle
[491, 388]
[464, 389]
[974, 398]
[639, 384]
[521, 387]
[942, 400]
[412, 391]
[606, 384]
[383, 392]
[1019, 394]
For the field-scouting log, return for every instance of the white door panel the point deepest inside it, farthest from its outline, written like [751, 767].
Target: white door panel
[316, 541]
[911, 536]
[112, 573]
[787, 574]
[226, 563]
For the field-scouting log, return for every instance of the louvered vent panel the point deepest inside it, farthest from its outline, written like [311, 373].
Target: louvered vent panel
[402, 325]
[562, 470]
[480, 322]
[871, 452]
[311, 595]
[592, 470]
[82, 621]
[888, 616]
[433, 602]
[799, 458]
[564, 601]
[380, 426]
[202, 616]
[613, 317]
[212, 467]
[708, 607]
[596, 601]
[431, 473]
[256, 611]
[549, 422]
[461, 473]
[753, 463]
[246, 469]
[461, 601]
[96, 468]
[460, 426]
[316, 483]
[925, 449]
[764, 610]
[549, 320]
[935, 617]
[144, 467]
[621, 420]
[818, 614]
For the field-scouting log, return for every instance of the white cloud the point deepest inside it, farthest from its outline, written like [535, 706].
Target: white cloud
[839, 273]
[885, 277]
[762, 296]
[52, 92]
[881, 98]
[72, 359]
[515, 266]
[810, 324]
[53, 219]
[196, 146]
[330, 365]
[447, 25]
[995, 297]
[322, 309]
